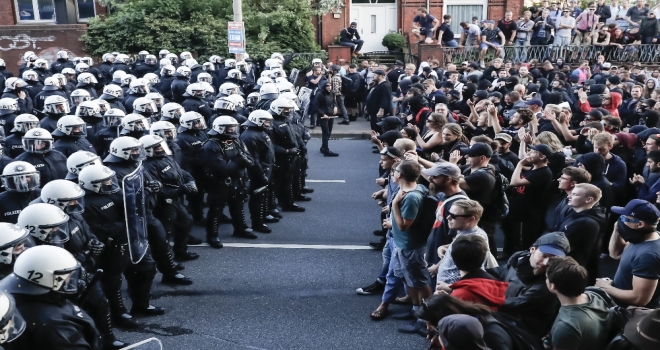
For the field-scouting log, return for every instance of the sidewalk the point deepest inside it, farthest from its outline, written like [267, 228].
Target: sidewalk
[359, 129]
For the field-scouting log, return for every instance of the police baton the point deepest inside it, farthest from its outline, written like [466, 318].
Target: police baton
[85, 293]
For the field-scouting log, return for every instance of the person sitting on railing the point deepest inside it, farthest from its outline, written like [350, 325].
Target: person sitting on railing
[471, 35]
[602, 37]
[424, 24]
[444, 35]
[351, 38]
[491, 38]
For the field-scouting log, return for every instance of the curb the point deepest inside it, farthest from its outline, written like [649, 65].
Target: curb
[344, 135]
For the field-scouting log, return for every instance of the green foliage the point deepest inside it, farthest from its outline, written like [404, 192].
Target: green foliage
[394, 41]
[200, 26]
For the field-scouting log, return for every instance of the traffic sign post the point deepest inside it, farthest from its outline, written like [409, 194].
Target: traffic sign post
[236, 38]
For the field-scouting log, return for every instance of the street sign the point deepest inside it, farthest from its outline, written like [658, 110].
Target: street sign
[236, 37]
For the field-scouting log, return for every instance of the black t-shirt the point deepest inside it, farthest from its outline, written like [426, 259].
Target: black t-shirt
[507, 28]
[511, 157]
[447, 34]
[525, 200]
[393, 77]
[482, 183]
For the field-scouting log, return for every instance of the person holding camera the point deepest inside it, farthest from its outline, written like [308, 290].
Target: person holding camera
[586, 25]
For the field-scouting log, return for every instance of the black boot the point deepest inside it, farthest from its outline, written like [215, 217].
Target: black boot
[306, 189]
[292, 207]
[241, 229]
[178, 279]
[212, 225]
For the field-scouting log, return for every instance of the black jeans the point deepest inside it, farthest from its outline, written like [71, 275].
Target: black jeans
[326, 131]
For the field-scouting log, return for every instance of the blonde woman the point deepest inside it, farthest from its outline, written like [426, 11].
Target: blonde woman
[431, 141]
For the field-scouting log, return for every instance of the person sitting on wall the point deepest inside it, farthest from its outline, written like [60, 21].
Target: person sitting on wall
[424, 24]
[350, 37]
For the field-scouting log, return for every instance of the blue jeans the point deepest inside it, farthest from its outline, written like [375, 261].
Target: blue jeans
[393, 284]
[521, 53]
[355, 45]
[387, 255]
[450, 43]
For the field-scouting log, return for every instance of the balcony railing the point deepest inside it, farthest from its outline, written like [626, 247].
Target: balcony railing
[570, 54]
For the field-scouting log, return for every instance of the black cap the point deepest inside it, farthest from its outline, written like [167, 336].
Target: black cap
[454, 93]
[474, 65]
[495, 94]
[639, 209]
[447, 84]
[554, 243]
[379, 72]
[543, 149]
[390, 136]
[353, 23]
[398, 63]
[477, 150]
[427, 69]
[482, 94]
[389, 122]
[335, 67]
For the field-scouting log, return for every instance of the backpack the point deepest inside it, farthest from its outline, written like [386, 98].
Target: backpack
[425, 215]
[521, 339]
[349, 86]
[500, 203]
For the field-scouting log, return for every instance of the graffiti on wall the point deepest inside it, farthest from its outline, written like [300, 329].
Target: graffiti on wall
[21, 41]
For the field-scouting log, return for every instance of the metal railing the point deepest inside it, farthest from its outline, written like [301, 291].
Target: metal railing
[572, 54]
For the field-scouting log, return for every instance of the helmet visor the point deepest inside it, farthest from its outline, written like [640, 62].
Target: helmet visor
[107, 186]
[111, 120]
[137, 153]
[54, 234]
[79, 99]
[141, 124]
[198, 124]
[158, 101]
[167, 134]
[12, 328]
[140, 89]
[159, 150]
[66, 281]
[37, 146]
[60, 108]
[71, 205]
[78, 130]
[103, 108]
[252, 100]
[173, 114]
[11, 251]
[22, 182]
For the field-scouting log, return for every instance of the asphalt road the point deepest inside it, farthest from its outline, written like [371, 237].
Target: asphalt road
[289, 298]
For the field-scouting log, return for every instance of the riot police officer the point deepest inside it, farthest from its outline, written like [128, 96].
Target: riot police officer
[287, 153]
[134, 125]
[51, 87]
[78, 161]
[230, 64]
[21, 183]
[194, 101]
[14, 240]
[90, 113]
[104, 212]
[71, 135]
[34, 86]
[105, 68]
[87, 81]
[267, 94]
[146, 108]
[176, 182]
[139, 88]
[117, 78]
[166, 77]
[191, 138]
[226, 160]
[61, 62]
[77, 97]
[125, 84]
[195, 68]
[38, 146]
[225, 106]
[55, 107]
[259, 145]
[71, 81]
[147, 66]
[153, 80]
[111, 121]
[302, 137]
[180, 84]
[121, 63]
[113, 94]
[8, 112]
[43, 280]
[172, 112]
[227, 89]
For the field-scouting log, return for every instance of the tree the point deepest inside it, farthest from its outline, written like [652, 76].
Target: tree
[200, 26]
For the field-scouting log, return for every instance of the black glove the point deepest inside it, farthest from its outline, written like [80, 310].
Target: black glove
[243, 161]
[293, 150]
[191, 186]
[95, 247]
[153, 186]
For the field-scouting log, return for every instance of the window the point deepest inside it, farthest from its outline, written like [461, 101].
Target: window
[35, 10]
[85, 10]
[373, 23]
[463, 11]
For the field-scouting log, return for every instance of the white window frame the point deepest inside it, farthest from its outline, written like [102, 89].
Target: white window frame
[84, 20]
[483, 3]
[35, 8]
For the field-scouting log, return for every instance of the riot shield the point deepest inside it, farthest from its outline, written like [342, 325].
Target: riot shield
[147, 344]
[293, 76]
[304, 95]
[136, 214]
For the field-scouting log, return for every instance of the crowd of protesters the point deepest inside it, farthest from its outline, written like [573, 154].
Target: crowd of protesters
[505, 189]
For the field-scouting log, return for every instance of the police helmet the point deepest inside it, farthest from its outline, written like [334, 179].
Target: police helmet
[269, 92]
[282, 106]
[224, 103]
[155, 146]
[164, 129]
[134, 122]
[172, 111]
[139, 86]
[30, 75]
[113, 117]
[25, 122]
[71, 125]
[64, 194]
[144, 105]
[125, 148]
[38, 141]
[225, 125]
[104, 106]
[19, 176]
[78, 161]
[196, 90]
[99, 179]
[14, 240]
[80, 95]
[260, 118]
[157, 98]
[152, 78]
[191, 121]
[112, 91]
[142, 55]
[89, 109]
[205, 77]
[55, 104]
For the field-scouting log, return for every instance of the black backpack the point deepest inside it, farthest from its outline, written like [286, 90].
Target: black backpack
[425, 215]
[349, 86]
[521, 339]
[500, 203]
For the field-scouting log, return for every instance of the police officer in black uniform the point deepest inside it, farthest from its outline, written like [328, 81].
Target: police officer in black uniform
[90, 113]
[52, 320]
[172, 112]
[111, 121]
[34, 86]
[51, 87]
[146, 66]
[21, 183]
[166, 77]
[138, 88]
[286, 153]
[16, 88]
[14, 143]
[191, 138]
[61, 62]
[194, 101]
[113, 94]
[258, 143]
[180, 83]
[71, 135]
[8, 113]
[55, 107]
[38, 146]
[226, 160]
[87, 81]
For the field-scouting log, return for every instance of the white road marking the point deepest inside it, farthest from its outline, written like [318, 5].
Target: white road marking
[335, 181]
[289, 246]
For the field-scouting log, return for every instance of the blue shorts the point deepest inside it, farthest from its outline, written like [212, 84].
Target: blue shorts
[411, 266]
[486, 46]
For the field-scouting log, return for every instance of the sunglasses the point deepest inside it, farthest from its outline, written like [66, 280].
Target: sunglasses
[625, 219]
[590, 9]
[454, 216]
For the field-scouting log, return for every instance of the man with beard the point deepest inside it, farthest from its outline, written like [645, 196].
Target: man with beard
[647, 190]
[527, 298]
[379, 100]
[636, 243]
[519, 119]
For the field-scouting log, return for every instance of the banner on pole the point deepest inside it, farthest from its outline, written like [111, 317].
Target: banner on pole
[236, 37]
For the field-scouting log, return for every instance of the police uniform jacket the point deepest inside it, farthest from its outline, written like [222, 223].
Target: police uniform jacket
[191, 143]
[283, 138]
[195, 104]
[178, 87]
[24, 105]
[71, 144]
[51, 165]
[61, 63]
[226, 158]
[54, 325]
[104, 213]
[142, 68]
[7, 122]
[39, 100]
[13, 145]
[12, 203]
[116, 103]
[165, 86]
[105, 69]
[33, 88]
[166, 170]
[50, 122]
[261, 149]
[103, 139]
[120, 66]
[128, 102]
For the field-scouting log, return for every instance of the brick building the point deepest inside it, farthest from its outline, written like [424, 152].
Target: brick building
[376, 18]
[43, 26]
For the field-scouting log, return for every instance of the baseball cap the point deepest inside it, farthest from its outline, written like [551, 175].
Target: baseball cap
[534, 101]
[482, 94]
[443, 169]
[353, 23]
[392, 152]
[474, 65]
[495, 94]
[504, 137]
[639, 209]
[477, 150]
[390, 136]
[447, 84]
[398, 63]
[427, 69]
[379, 72]
[554, 243]
[335, 67]
[455, 93]
[607, 65]
[543, 149]
[391, 122]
